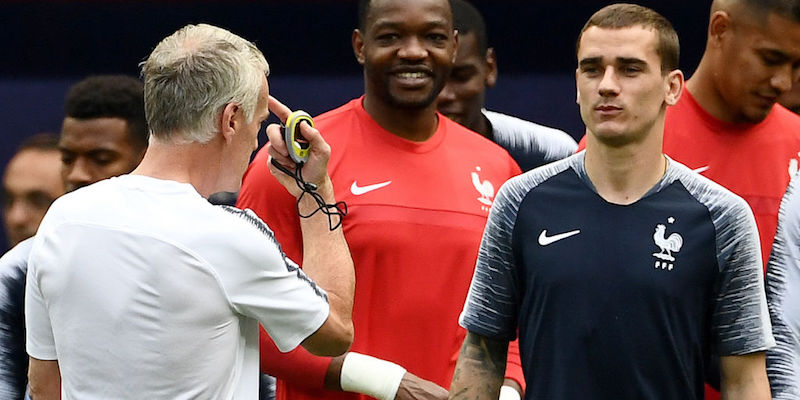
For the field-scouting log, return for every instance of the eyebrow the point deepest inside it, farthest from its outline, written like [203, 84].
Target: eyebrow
[619, 60]
[397, 24]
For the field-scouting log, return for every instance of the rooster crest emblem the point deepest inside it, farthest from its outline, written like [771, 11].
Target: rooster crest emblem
[668, 245]
[484, 188]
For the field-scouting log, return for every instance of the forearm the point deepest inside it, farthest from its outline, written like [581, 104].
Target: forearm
[45, 379]
[480, 368]
[326, 260]
[744, 377]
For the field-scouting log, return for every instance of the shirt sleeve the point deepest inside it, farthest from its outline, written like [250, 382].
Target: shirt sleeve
[783, 296]
[13, 358]
[262, 194]
[492, 302]
[740, 320]
[39, 333]
[262, 283]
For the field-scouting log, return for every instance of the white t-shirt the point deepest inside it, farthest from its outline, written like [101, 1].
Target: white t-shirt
[142, 289]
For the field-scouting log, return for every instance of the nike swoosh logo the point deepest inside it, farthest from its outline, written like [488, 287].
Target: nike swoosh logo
[544, 240]
[359, 190]
[701, 169]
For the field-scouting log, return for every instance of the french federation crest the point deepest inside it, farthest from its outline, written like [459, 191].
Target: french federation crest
[667, 245]
[484, 188]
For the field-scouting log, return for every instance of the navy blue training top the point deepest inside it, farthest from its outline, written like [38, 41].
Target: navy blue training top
[618, 301]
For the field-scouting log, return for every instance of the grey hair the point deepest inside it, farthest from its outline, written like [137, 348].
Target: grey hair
[192, 74]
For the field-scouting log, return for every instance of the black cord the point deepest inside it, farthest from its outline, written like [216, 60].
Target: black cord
[339, 208]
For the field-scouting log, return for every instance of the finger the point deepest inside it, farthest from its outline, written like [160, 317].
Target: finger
[279, 109]
[310, 133]
[275, 136]
[281, 159]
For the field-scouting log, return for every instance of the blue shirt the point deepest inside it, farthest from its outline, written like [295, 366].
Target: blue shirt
[13, 358]
[783, 293]
[531, 145]
[618, 301]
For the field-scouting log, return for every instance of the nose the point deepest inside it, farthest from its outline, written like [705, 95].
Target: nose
[609, 85]
[447, 95]
[78, 174]
[412, 49]
[783, 79]
[17, 213]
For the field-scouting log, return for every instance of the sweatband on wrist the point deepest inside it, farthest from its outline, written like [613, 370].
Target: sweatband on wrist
[371, 376]
[509, 393]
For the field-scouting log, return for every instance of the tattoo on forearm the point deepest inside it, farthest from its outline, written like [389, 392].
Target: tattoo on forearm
[480, 368]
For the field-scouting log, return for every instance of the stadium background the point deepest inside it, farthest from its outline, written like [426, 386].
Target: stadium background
[49, 45]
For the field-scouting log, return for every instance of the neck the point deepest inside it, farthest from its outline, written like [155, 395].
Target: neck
[483, 127]
[622, 175]
[192, 163]
[417, 124]
[705, 92]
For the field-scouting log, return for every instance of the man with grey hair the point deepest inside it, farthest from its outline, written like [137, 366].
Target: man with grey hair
[137, 286]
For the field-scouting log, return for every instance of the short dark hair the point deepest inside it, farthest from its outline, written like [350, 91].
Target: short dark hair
[622, 15]
[43, 141]
[789, 9]
[363, 11]
[467, 19]
[110, 96]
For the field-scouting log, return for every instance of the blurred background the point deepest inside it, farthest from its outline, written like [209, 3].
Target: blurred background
[49, 45]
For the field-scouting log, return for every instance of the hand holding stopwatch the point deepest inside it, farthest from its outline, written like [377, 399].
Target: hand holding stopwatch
[297, 145]
[299, 149]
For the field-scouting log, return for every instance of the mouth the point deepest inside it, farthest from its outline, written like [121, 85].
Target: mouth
[412, 78]
[608, 109]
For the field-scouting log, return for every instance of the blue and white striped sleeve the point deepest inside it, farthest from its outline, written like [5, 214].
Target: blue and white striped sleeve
[491, 305]
[783, 296]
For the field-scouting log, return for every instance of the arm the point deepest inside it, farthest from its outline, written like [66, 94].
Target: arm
[744, 377]
[326, 257]
[783, 298]
[45, 379]
[480, 368]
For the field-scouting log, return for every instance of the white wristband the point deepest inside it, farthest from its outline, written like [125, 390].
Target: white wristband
[509, 393]
[371, 376]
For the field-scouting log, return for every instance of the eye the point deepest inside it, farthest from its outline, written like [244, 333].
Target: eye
[387, 38]
[437, 37]
[67, 159]
[631, 70]
[590, 70]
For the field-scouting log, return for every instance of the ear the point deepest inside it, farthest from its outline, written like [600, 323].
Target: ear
[358, 46]
[674, 83]
[228, 123]
[491, 67]
[577, 88]
[719, 26]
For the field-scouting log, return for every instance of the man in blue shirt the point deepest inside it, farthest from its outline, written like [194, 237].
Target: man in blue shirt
[620, 268]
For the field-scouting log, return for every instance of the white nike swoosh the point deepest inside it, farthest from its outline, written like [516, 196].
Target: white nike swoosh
[359, 190]
[544, 240]
[701, 169]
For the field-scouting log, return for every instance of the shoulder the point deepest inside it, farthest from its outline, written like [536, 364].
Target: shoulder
[244, 228]
[734, 223]
[14, 263]
[788, 121]
[507, 125]
[334, 116]
[714, 196]
[516, 188]
[458, 135]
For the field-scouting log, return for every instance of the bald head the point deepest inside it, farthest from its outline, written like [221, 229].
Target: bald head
[758, 10]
